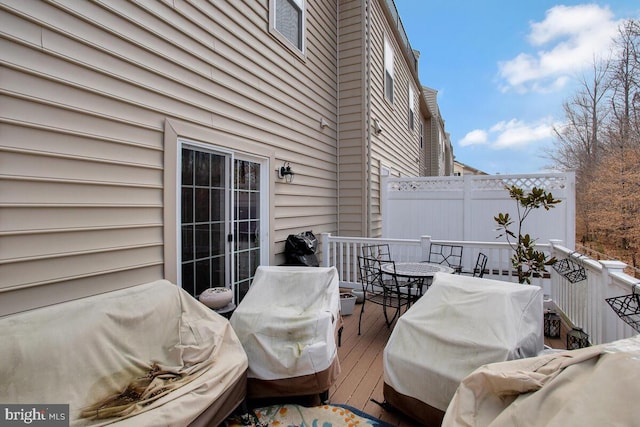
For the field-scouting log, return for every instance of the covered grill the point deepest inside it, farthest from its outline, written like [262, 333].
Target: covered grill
[287, 324]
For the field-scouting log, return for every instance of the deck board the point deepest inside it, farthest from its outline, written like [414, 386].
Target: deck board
[361, 378]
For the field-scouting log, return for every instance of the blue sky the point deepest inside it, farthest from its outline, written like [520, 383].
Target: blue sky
[502, 70]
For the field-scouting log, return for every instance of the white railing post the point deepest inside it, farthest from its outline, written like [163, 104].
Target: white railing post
[325, 249]
[608, 317]
[554, 286]
[425, 246]
[384, 201]
[467, 207]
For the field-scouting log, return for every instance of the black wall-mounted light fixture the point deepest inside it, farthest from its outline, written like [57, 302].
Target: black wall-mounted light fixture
[285, 172]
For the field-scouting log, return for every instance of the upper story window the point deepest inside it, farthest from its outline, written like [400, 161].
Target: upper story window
[388, 70]
[411, 109]
[286, 20]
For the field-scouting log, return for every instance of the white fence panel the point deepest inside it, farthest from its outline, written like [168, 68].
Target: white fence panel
[463, 208]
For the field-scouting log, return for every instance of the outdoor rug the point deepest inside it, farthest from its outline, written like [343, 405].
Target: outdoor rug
[300, 416]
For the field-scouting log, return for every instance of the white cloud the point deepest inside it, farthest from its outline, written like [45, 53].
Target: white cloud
[514, 134]
[573, 36]
[475, 137]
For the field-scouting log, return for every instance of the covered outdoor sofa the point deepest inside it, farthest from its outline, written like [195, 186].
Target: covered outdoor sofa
[287, 324]
[593, 386]
[149, 355]
[460, 324]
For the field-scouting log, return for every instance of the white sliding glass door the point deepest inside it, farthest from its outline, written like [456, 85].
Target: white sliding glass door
[223, 231]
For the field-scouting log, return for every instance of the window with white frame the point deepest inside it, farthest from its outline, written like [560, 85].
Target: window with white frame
[286, 19]
[388, 70]
[411, 109]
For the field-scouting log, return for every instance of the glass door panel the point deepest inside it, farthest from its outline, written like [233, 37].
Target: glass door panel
[204, 219]
[221, 196]
[246, 224]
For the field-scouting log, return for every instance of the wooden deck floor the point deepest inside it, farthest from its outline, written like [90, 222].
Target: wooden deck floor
[361, 379]
[360, 357]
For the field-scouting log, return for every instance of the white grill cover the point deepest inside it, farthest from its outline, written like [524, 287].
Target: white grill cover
[287, 320]
[460, 324]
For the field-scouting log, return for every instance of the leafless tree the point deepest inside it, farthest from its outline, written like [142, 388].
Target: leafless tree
[601, 142]
[621, 174]
[624, 82]
[578, 140]
[614, 197]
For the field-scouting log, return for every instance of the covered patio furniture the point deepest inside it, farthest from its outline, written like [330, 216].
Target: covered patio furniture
[460, 324]
[593, 386]
[147, 355]
[287, 324]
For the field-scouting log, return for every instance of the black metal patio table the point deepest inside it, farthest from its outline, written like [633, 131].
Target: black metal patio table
[417, 274]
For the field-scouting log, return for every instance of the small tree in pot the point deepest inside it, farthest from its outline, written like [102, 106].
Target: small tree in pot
[526, 259]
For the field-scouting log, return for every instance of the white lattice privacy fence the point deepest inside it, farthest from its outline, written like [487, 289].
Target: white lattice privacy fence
[463, 208]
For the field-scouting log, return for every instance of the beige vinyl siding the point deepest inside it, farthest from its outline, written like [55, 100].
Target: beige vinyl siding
[353, 184]
[86, 90]
[435, 134]
[397, 146]
[361, 152]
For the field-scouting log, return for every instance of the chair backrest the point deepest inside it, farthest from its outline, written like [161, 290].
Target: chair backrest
[481, 264]
[371, 273]
[449, 255]
[380, 252]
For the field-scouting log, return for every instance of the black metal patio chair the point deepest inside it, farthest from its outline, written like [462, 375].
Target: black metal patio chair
[481, 265]
[378, 290]
[449, 255]
[380, 252]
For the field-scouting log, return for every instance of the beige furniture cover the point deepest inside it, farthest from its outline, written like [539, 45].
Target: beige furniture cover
[460, 324]
[593, 386]
[287, 323]
[159, 355]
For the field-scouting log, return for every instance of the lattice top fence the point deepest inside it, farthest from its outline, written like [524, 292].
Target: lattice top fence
[463, 208]
[480, 183]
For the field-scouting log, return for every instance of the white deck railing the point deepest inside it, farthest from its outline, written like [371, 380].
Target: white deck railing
[582, 304]
[342, 253]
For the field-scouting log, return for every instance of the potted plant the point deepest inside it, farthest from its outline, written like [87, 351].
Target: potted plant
[347, 303]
